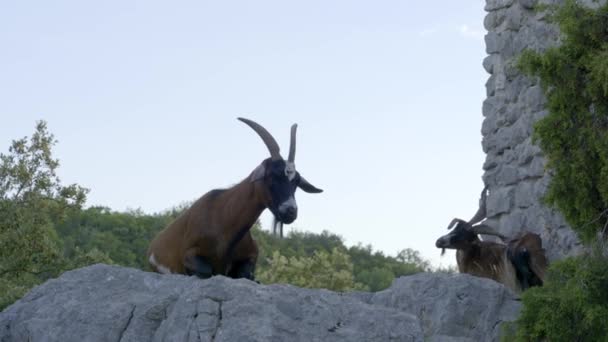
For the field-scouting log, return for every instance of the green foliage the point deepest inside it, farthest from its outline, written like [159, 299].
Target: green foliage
[372, 270]
[123, 236]
[377, 271]
[295, 244]
[573, 303]
[574, 134]
[31, 200]
[333, 271]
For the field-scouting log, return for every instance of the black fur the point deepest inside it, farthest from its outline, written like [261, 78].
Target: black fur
[202, 268]
[235, 240]
[243, 269]
[281, 188]
[214, 193]
[239, 268]
[521, 262]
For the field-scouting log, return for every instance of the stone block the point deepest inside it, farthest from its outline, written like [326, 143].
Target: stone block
[493, 5]
[525, 195]
[499, 201]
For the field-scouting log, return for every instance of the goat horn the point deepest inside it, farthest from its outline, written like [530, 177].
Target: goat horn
[292, 144]
[454, 221]
[272, 145]
[481, 212]
[487, 230]
[307, 187]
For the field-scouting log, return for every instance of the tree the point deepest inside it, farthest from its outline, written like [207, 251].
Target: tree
[31, 199]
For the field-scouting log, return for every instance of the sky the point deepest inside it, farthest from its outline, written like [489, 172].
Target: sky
[143, 97]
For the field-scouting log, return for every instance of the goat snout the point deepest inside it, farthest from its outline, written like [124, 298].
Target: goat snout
[288, 211]
[289, 214]
[441, 242]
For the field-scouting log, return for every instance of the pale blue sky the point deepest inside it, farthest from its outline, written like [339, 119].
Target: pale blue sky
[143, 97]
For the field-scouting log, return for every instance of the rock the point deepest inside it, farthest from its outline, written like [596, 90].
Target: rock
[110, 303]
[456, 307]
[524, 195]
[507, 175]
[492, 5]
[491, 20]
[507, 137]
[492, 43]
[490, 61]
[527, 151]
[534, 98]
[514, 18]
[499, 201]
[489, 164]
[535, 169]
[528, 4]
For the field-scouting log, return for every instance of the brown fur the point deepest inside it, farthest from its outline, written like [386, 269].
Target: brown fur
[518, 265]
[209, 225]
[487, 260]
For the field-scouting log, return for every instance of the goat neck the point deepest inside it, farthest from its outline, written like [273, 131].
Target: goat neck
[244, 204]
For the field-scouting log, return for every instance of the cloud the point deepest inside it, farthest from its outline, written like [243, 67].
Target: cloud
[469, 32]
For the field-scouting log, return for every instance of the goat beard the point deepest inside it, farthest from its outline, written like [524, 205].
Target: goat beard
[442, 251]
[277, 226]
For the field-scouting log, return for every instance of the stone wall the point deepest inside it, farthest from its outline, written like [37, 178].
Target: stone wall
[515, 168]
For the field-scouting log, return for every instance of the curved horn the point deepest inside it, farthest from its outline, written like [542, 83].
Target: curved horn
[272, 145]
[481, 212]
[307, 187]
[454, 221]
[292, 144]
[487, 230]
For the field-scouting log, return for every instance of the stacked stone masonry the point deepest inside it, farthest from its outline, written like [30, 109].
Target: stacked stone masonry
[515, 167]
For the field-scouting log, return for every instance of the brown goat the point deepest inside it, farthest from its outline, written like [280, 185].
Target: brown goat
[519, 264]
[213, 235]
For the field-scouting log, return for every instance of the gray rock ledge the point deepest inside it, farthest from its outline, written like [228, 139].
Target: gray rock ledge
[110, 303]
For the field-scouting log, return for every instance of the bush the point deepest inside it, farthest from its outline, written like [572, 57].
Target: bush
[573, 303]
[332, 271]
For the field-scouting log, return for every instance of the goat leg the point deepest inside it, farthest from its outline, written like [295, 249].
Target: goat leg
[243, 269]
[197, 265]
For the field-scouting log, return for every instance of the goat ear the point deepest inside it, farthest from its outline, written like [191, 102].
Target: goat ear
[258, 173]
[307, 187]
